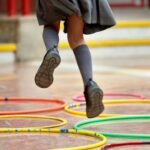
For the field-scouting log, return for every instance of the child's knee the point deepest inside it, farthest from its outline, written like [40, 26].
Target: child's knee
[55, 26]
[74, 41]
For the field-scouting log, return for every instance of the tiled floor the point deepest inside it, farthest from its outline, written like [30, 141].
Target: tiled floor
[120, 73]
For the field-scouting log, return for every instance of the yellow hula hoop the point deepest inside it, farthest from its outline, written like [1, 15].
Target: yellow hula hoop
[62, 121]
[79, 113]
[81, 132]
[7, 77]
[106, 102]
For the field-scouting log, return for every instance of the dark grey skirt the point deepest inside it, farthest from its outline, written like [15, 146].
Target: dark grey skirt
[97, 14]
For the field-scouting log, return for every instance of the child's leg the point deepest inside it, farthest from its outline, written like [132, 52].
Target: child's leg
[44, 75]
[80, 49]
[93, 93]
[50, 35]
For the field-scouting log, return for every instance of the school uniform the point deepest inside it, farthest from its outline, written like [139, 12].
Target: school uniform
[97, 14]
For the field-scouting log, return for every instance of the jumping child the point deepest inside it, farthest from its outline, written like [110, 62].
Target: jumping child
[80, 17]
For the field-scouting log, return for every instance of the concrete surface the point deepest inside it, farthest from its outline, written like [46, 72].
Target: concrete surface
[121, 73]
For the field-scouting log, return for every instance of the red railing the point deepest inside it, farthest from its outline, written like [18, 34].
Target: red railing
[26, 5]
[132, 3]
[12, 7]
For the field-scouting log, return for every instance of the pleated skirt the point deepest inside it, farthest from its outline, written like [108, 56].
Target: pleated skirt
[97, 14]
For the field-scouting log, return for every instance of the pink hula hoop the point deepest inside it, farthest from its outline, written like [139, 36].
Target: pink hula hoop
[80, 98]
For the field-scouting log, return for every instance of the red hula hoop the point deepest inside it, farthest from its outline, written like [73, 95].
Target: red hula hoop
[125, 144]
[80, 98]
[44, 100]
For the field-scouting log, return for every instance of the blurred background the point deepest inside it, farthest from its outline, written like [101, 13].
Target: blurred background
[121, 55]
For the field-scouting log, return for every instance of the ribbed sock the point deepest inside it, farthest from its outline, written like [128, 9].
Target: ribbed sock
[84, 61]
[50, 37]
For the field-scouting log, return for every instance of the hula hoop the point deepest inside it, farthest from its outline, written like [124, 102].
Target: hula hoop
[79, 113]
[7, 77]
[125, 144]
[62, 121]
[80, 98]
[37, 100]
[82, 132]
[111, 134]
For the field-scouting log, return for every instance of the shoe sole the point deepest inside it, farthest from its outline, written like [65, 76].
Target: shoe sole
[96, 106]
[44, 75]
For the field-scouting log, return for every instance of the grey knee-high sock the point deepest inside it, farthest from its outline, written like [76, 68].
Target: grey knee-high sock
[50, 37]
[84, 61]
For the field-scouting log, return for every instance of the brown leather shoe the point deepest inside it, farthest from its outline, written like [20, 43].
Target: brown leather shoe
[93, 96]
[44, 75]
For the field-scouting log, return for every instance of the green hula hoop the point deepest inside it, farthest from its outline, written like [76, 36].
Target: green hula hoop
[111, 134]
